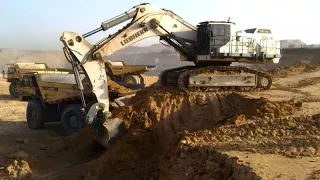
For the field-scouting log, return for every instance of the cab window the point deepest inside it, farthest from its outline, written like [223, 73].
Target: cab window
[26, 81]
[250, 30]
[10, 70]
[264, 31]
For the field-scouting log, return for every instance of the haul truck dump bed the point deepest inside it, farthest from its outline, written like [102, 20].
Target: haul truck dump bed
[16, 72]
[129, 74]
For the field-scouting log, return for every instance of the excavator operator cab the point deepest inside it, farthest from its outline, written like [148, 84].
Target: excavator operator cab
[212, 35]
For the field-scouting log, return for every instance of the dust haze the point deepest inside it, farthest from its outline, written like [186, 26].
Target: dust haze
[162, 56]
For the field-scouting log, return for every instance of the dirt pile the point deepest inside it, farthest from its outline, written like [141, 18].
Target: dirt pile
[115, 87]
[165, 136]
[301, 66]
[194, 111]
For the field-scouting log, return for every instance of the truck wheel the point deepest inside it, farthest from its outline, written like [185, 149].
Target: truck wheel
[132, 79]
[72, 119]
[13, 89]
[143, 79]
[35, 114]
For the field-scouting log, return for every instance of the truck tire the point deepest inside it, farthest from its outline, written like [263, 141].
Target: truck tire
[72, 119]
[35, 114]
[143, 79]
[132, 79]
[13, 89]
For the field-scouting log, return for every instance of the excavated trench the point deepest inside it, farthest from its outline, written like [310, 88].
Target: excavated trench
[161, 141]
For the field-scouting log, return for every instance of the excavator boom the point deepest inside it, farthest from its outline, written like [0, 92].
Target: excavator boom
[146, 21]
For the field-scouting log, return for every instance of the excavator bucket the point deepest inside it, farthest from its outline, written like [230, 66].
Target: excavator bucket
[109, 131]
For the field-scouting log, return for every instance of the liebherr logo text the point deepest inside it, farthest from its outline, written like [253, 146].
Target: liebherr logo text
[134, 36]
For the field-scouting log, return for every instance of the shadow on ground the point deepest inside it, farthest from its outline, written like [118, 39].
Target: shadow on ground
[7, 97]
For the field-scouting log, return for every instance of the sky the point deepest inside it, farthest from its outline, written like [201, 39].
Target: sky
[38, 24]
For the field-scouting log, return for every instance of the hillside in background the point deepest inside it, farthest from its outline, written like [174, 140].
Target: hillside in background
[292, 43]
[162, 56]
[296, 43]
[52, 58]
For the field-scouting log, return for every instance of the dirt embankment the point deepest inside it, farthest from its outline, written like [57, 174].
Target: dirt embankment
[172, 135]
[302, 66]
[155, 104]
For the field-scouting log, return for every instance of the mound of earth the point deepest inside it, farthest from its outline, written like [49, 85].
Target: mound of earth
[301, 66]
[195, 111]
[115, 87]
[168, 136]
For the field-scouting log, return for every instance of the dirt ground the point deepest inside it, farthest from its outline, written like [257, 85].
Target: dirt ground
[270, 134]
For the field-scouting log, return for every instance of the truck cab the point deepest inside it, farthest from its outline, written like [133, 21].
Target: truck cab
[8, 72]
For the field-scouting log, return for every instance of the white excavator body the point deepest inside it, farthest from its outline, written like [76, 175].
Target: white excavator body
[211, 45]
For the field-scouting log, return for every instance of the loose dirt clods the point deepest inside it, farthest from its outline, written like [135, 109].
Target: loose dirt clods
[288, 136]
[315, 174]
[19, 169]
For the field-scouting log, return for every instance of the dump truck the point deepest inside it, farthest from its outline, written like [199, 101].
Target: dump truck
[124, 73]
[131, 76]
[16, 71]
[56, 98]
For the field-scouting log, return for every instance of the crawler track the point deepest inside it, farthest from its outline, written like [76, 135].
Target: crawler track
[178, 78]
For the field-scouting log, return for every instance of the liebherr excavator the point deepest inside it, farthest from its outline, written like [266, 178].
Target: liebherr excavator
[212, 46]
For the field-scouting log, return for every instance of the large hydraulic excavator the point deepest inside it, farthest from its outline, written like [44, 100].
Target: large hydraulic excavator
[211, 45]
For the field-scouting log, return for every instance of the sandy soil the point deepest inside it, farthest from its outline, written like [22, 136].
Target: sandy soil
[272, 134]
